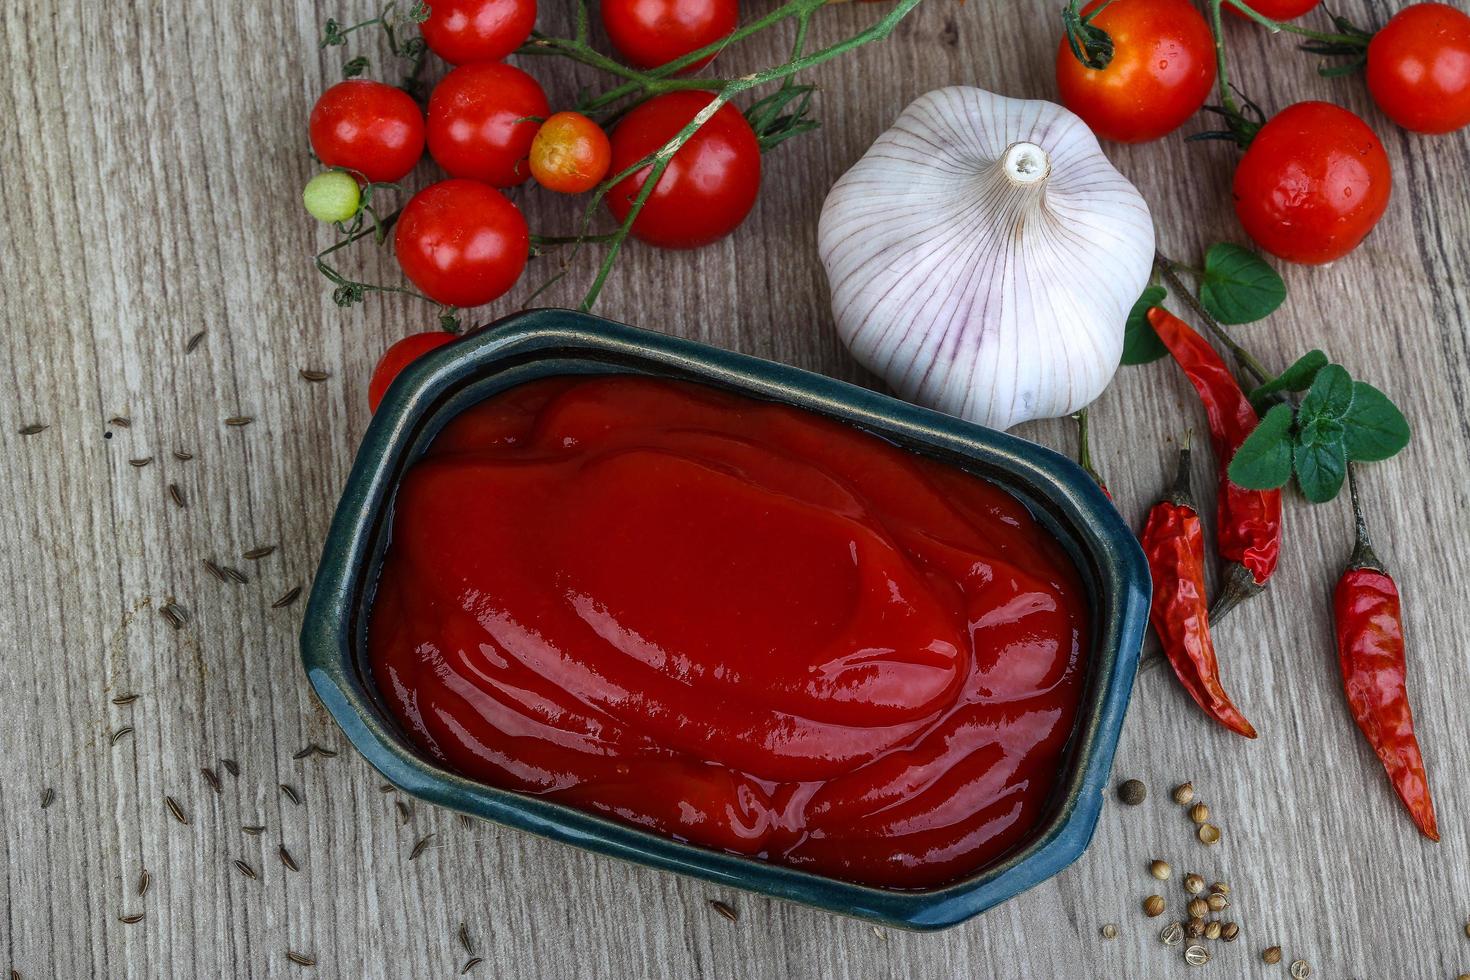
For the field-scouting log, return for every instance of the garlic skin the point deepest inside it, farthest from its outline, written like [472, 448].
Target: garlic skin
[983, 257]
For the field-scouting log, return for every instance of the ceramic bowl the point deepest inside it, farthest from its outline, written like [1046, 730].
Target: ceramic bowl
[546, 342]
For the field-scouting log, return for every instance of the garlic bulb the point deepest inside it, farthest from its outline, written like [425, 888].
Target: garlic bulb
[983, 257]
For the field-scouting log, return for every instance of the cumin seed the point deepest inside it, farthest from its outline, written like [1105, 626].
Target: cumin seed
[287, 859]
[125, 698]
[120, 422]
[211, 779]
[404, 813]
[418, 848]
[728, 911]
[239, 420]
[130, 919]
[215, 570]
[193, 342]
[300, 959]
[140, 462]
[48, 795]
[235, 575]
[144, 880]
[246, 870]
[183, 455]
[121, 732]
[255, 554]
[287, 597]
[470, 964]
[35, 428]
[173, 614]
[254, 830]
[464, 939]
[176, 810]
[231, 766]
[464, 819]
[387, 788]
[176, 495]
[291, 794]
[310, 374]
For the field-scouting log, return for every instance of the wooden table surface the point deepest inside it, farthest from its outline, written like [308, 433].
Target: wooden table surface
[153, 157]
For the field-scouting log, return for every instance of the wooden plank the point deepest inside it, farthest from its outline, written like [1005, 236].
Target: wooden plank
[153, 161]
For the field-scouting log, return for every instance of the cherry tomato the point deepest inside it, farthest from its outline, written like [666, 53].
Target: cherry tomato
[400, 356]
[369, 127]
[1419, 68]
[708, 187]
[462, 242]
[1313, 182]
[465, 31]
[482, 119]
[1275, 9]
[649, 33]
[570, 153]
[1162, 69]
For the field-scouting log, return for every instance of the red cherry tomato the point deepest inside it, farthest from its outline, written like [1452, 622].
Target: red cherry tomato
[1162, 69]
[708, 187]
[461, 242]
[1419, 68]
[400, 356]
[1275, 9]
[369, 127]
[482, 119]
[465, 31]
[570, 154]
[1313, 182]
[649, 33]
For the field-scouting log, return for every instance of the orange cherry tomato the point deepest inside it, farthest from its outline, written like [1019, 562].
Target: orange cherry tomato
[570, 153]
[1162, 69]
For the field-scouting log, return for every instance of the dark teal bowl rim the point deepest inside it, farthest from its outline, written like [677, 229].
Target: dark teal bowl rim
[539, 343]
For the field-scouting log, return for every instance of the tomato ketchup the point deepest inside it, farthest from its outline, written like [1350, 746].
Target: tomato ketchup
[735, 623]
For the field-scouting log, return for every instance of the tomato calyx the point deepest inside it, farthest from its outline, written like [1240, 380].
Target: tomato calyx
[1242, 122]
[781, 115]
[1090, 44]
[1353, 46]
[411, 49]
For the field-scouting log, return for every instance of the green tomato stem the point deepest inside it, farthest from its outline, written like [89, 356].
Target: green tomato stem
[1243, 357]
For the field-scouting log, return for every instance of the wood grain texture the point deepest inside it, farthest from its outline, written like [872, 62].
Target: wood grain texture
[153, 157]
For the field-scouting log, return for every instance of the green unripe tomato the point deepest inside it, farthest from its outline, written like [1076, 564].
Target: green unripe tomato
[332, 196]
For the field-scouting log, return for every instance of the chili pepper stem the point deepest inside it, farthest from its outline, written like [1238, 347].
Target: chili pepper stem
[1363, 554]
[1167, 268]
[1084, 447]
[1180, 493]
[1238, 586]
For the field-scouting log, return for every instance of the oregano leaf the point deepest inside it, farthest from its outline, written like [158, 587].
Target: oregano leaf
[1141, 344]
[1374, 428]
[1263, 461]
[1320, 470]
[1298, 377]
[1330, 396]
[1238, 286]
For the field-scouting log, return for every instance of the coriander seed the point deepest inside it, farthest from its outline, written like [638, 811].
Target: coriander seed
[1209, 833]
[1160, 870]
[1194, 884]
[1153, 906]
[1194, 928]
[1220, 888]
[1230, 932]
[1271, 954]
[1132, 791]
[1184, 794]
[1213, 930]
[1198, 908]
[1217, 902]
[1109, 931]
[1300, 970]
[1196, 956]
[1199, 813]
[1172, 934]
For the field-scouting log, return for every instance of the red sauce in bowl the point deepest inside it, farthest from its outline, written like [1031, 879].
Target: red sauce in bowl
[739, 624]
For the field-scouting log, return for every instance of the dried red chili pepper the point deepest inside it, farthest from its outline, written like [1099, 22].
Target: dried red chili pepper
[1247, 522]
[1370, 651]
[1174, 542]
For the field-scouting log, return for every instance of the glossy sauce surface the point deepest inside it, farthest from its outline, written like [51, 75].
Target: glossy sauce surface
[735, 623]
